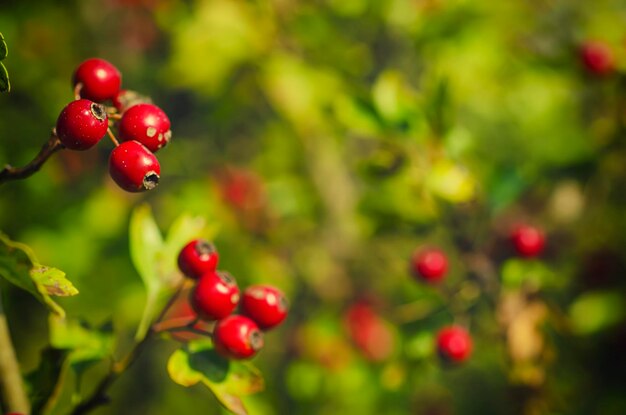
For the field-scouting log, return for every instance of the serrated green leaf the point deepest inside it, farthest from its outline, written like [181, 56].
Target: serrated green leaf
[4, 50]
[17, 263]
[228, 380]
[54, 281]
[45, 382]
[5, 85]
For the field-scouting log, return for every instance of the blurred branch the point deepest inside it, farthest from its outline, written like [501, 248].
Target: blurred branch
[99, 396]
[49, 148]
[12, 394]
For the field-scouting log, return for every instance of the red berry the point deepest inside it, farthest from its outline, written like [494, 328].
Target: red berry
[147, 124]
[197, 258]
[454, 344]
[215, 295]
[237, 337]
[133, 167]
[264, 304]
[100, 80]
[597, 57]
[369, 332]
[81, 124]
[430, 264]
[528, 241]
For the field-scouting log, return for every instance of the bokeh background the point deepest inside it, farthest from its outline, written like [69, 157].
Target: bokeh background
[324, 142]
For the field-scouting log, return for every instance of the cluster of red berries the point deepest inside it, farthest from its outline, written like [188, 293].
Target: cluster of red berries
[143, 128]
[216, 295]
[430, 265]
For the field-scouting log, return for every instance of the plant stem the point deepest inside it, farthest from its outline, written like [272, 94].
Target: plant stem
[49, 148]
[12, 393]
[99, 396]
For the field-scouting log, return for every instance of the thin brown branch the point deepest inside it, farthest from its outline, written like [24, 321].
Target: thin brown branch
[48, 149]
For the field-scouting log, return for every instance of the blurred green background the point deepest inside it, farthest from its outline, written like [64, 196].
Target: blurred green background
[323, 142]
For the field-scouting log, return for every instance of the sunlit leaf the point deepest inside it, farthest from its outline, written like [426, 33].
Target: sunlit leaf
[228, 380]
[519, 272]
[451, 182]
[595, 311]
[87, 344]
[19, 266]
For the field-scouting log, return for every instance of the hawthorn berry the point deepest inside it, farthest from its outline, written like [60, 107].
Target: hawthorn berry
[264, 304]
[597, 58]
[528, 241]
[454, 344]
[81, 124]
[133, 167]
[237, 337]
[215, 295]
[197, 258]
[99, 79]
[147, 124]
[369, 332]
[429, 264]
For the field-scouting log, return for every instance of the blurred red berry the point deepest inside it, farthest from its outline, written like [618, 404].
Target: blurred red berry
[369, 332]
[528, 241]
[454, 344]
[237, 337]
[197, 258]
[100, 80]
[429, 265]
[597, 57]
[264, 304]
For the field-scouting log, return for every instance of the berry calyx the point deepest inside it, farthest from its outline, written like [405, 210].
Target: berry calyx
[264, 304]
[215, 295]
[197, 258]
[597, 58]
[528, 241]
[429, 265]
[100, 80]
[237, 337]
[81, 124]
[454, 344]
[133, 167]
[147, 124]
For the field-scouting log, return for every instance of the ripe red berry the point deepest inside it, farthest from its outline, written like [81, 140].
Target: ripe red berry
[237, 337]
[429, 264]
[528, 241]
[100, 80]
[264, 304]
[215, 295]
[197, 258]
[369, 332]
[133, 167]
[597, 57]
[81, 124]
[147, 124]
[454, 344]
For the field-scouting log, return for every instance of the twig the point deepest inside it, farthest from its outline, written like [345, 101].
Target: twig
[15, 173]
[12, 393]
[99, 396]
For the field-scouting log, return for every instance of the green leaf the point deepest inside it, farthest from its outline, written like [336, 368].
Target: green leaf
[228, 380]
[20, 267]
[595, 311]
[520, 272]
[46, 381]
[155, 259]
[87, 345]
[4, 50]
[5, 85]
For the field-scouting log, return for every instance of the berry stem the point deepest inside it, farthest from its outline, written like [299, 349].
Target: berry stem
[48, 149]
[99, 396]
[112, 137]
[77, 89]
